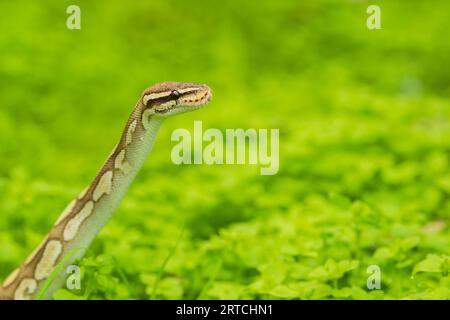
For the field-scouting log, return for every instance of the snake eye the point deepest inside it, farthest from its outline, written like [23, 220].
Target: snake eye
[174, 94]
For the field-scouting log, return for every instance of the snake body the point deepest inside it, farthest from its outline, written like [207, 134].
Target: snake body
[83, 218]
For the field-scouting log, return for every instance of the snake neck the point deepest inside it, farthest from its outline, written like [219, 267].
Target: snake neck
[86, 214]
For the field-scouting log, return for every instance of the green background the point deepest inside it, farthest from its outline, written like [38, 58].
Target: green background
[364, 125]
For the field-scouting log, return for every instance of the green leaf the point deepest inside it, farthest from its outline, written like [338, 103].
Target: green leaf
[333, 269]
[225, 290]
[432, 263]
[283, 291]
[63, 294]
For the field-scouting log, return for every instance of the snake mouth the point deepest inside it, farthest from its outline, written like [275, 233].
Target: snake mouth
[197, 98]
[164, 111]
[188, 102]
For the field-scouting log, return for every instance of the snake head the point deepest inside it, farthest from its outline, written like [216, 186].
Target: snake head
[169, 98]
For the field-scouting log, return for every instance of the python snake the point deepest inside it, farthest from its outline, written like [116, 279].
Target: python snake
[83, 218]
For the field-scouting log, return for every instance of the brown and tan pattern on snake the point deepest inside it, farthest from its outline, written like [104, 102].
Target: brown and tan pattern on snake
[88, 212]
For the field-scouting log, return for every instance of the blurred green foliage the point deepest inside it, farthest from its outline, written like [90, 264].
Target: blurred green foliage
[364, 124]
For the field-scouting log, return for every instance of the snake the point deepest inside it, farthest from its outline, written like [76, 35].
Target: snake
[84, 217]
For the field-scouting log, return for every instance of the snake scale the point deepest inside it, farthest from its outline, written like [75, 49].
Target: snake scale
[83, 218]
